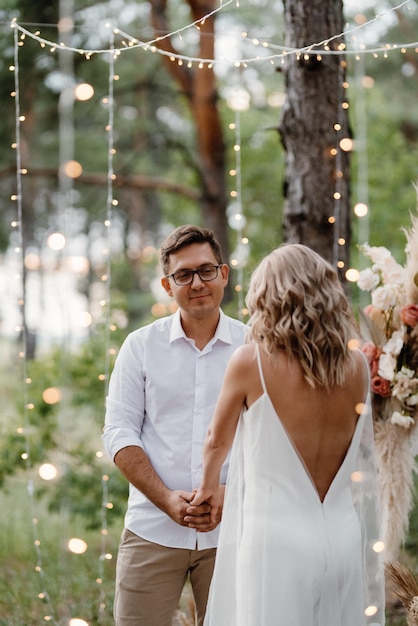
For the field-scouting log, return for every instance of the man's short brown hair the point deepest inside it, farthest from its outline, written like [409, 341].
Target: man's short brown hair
[184, 236]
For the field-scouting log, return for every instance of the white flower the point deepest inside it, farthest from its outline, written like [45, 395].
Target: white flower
[405, 372]
[393, 273]
[412, 400]
[377, 254]
[387, 365]
[368, 280]
[401, 420]
[384, 297]
[406, 386]
[395, 343]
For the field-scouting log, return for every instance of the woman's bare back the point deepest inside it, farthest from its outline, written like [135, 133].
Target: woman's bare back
[320, 423]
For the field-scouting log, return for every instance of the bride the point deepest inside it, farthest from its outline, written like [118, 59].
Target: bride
[299, 533]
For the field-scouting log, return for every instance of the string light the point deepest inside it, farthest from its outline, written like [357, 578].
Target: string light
[343, 144]
[309, 50]
[111, 202]
[26, 381]
[361, 209]
[236, 219]
[70, 169]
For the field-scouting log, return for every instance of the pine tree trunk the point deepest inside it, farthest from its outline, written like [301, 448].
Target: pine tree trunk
[199, 86]
[316, 167]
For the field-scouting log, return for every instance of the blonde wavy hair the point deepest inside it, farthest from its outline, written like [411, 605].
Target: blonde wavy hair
[297, 304]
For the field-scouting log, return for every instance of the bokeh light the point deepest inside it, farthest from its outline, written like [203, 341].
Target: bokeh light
[72, 169]
[47, 471]
[52, 395]
[77, 546]
[56, 241]
[361, 209]
[357, 477]
[83, 92]
[352, 275]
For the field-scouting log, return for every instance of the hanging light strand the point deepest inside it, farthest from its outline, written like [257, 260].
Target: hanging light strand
[362, 211]
[339, 169]
[27, 405]
[110, 203]
[238, 188]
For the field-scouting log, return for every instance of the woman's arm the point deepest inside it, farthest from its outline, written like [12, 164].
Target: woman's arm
[222, 429]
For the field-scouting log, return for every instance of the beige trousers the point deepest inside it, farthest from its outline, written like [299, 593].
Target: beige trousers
[150, 579]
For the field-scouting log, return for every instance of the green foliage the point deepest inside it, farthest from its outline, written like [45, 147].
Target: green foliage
[392, 177]
[80, 492]
[66, 433]
[85, 373]
[30, 430]
[392, 136]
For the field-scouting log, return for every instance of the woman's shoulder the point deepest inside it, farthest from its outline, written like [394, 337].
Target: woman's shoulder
[246, 351]
[244, 356]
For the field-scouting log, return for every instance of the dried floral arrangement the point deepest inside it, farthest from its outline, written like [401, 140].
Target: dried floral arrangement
[405, 585]
[389, 327]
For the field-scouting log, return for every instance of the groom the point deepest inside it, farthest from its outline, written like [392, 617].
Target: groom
[162, 395]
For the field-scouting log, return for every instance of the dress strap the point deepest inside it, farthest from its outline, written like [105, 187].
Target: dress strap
[260, 368]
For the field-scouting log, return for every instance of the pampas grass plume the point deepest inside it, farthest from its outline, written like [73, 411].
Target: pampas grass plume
[405, 586]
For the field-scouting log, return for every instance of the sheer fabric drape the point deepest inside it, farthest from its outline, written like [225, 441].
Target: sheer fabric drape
[282, 553]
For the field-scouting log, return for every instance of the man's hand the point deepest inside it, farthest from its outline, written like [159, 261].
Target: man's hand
[135, 466]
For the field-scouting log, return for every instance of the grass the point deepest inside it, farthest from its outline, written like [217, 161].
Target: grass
[68, 579]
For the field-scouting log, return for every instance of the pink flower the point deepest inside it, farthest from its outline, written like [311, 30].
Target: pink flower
[372, 354]
[409, 315]
[381, 386]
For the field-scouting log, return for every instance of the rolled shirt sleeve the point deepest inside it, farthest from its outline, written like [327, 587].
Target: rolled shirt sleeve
[125, 403]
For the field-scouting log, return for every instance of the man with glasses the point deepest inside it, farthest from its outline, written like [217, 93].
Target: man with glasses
[162, 394]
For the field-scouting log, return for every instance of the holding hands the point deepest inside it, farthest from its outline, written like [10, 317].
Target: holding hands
[205, 509]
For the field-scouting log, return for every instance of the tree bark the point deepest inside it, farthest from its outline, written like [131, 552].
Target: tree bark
[198, 85]
[316, 167]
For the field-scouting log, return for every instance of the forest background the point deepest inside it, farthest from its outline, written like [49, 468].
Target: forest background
[62, 503]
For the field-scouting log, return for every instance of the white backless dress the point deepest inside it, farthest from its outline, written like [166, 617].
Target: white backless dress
[285, 558]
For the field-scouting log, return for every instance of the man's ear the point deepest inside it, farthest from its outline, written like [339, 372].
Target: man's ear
[166, 284]
[225, 272]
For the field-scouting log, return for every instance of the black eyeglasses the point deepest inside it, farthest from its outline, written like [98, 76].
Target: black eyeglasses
[185, 277]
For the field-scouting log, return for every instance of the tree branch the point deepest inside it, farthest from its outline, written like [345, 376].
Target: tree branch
[135, 181]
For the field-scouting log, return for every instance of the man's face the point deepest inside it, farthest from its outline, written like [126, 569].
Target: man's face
[200, 299]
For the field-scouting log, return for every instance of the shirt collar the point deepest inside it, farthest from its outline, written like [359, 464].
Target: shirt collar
[222, 333]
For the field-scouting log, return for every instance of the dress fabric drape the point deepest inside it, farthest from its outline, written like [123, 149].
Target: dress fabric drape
[285, 558]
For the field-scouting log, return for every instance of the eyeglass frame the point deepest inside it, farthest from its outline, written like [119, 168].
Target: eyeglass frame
[193, 272]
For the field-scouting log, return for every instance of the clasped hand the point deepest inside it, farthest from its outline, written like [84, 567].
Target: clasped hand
[197, 510]
[213, 499]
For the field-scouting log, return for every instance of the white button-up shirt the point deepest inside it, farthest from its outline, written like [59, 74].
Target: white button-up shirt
[162, 395]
